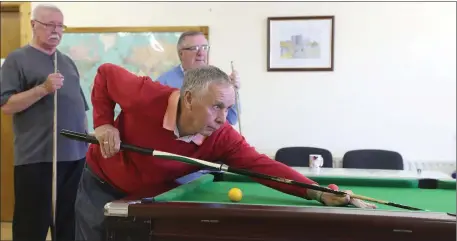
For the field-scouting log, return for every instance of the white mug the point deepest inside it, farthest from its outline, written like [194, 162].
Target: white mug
[316, 161]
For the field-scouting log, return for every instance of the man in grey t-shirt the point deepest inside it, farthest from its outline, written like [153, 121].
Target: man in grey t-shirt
[28, 86]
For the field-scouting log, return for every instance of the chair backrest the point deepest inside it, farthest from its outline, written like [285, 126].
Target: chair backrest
[373, 159]
[299, 156]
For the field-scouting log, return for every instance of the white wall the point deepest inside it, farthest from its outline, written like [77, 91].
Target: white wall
[394, 84]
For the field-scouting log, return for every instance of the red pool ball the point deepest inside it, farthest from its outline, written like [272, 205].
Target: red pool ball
[333, 187]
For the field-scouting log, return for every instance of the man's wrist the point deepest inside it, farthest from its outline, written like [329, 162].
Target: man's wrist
[314, 194]
[319, 197]
[41, 91]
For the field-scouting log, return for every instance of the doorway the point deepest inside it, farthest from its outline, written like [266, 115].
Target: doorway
[15, 32]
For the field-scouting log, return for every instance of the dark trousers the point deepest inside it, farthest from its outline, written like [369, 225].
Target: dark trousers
[93, 194]
[33, 200]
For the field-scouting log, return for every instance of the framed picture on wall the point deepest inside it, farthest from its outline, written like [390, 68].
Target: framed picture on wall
[300, 43]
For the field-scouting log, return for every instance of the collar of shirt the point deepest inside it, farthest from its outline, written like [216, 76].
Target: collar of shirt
[169, 121]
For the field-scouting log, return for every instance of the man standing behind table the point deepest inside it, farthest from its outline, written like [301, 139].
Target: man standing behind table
[193, 52]
[28, 87]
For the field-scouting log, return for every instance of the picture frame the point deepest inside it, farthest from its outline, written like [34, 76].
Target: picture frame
[300, 43]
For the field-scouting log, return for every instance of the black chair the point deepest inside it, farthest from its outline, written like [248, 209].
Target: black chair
[373, 159]
[299, 156]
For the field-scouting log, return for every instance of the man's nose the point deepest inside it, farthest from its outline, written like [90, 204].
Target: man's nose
[220, 120]
[222, 115]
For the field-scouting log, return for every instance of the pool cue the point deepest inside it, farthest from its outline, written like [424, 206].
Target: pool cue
[54, 159]
[193, 161]
[222, 167]
[237, 96]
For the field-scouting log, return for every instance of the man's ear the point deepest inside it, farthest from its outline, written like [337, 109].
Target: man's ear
[180, 55]
[188, 98]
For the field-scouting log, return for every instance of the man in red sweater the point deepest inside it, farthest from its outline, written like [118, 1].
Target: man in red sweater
[189, 122]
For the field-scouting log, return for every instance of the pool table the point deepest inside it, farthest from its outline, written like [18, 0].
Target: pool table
[201, 210]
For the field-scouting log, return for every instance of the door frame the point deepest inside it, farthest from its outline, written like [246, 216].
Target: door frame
[25, 11]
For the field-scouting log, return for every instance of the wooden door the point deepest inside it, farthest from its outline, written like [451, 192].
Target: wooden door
[10, 40]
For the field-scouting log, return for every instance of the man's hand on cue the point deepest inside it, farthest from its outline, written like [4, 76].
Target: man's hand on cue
[109, 140]
[330, 199]
[235, 77]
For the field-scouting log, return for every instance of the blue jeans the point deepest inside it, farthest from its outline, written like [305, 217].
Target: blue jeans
[93, 193]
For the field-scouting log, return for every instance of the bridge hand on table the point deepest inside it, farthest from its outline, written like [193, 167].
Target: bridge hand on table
[331, 199]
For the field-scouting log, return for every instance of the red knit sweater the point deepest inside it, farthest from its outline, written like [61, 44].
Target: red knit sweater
[144, 105]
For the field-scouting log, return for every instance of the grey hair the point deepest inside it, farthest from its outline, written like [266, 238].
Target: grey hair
[36, 13]
[186, 34]
[197, 80]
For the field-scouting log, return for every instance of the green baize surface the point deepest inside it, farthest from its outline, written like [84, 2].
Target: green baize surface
[401, 191]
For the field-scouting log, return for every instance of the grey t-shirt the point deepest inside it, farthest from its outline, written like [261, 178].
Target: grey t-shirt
[26, 68]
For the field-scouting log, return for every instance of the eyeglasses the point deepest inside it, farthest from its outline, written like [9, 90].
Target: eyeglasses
[51, 26]
[197, 48]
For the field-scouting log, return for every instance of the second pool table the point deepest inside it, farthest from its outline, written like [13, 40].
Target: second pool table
[201, 210]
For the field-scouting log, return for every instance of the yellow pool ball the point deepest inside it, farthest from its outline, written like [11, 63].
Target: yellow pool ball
[235, 194]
